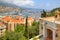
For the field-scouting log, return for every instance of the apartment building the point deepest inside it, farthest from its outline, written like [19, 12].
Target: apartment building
[2, 29]
[12, 22]
[30, 21]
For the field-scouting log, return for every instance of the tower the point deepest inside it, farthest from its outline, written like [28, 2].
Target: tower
[57, 14]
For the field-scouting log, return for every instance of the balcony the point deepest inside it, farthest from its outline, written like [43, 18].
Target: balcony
[51, 24]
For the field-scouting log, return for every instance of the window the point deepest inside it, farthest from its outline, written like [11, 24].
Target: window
[41, 27]
[56, 35]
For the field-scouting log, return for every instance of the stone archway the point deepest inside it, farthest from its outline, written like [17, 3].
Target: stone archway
[49, 34]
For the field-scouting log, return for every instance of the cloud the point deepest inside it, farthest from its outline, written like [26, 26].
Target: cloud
[20, 2]
[24, 2]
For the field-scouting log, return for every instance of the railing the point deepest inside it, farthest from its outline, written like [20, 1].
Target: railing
[51, 24]
[3, 27]
[37, 37]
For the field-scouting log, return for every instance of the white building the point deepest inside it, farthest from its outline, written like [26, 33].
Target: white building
[50, 27]
[2, 29]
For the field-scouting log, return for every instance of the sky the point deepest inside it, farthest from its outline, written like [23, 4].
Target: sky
[39, 4]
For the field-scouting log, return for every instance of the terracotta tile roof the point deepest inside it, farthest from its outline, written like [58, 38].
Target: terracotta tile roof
[18, 17]
[29, 18]
[21, 21]
[7, 18]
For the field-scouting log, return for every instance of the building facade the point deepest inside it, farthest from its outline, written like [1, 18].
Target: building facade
[2, 29]
[51, 27]
[12, 22]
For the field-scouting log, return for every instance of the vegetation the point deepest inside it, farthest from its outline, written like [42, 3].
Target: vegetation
[26, 33]
[52, 14]
[13, 36]
[35, 38]
[52, 11]
[55, 9]
[18, 34]
[43, 14]
[34, 30]
[19, 28]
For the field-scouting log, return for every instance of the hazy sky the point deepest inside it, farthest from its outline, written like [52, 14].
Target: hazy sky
[41, 4]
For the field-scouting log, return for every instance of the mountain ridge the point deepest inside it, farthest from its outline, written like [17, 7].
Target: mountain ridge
[15, 6]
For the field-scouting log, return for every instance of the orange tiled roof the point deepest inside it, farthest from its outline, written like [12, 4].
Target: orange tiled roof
[30, 18]
[18, 16]
[7, 18]
[17, 21]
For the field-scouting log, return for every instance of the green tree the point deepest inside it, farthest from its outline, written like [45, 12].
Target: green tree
[35, 23]
[19, 28]
[34, 29]
[13, 36]
[43, 14]
[26, 33]
[53, 11]
[17, 35]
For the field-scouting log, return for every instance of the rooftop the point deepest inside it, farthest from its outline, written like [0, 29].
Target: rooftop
[48, 19]
[11, 19]
[30, 18]
[7, 18]
[51, 19]
[17, 21]
[18, 16]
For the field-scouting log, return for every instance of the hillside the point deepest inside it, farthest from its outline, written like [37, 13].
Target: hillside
[55, 9]
[4, 9]
[8, 7]
[11, 9]
[52, 11]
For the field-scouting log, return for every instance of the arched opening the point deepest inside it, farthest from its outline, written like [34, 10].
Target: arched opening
[49, 35]
[55, 16]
